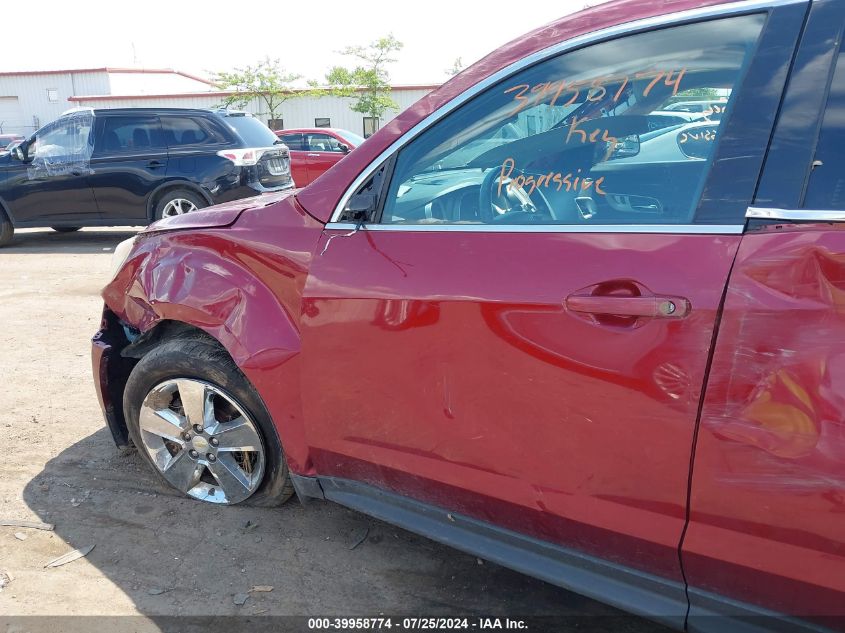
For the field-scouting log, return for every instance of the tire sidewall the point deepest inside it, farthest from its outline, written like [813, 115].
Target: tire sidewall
[173, 360]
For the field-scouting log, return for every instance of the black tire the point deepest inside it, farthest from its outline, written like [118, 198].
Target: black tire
[65, 229]
[202, 358]
[184, 194]
[7, 231]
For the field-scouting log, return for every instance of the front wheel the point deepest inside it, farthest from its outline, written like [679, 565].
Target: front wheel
[178, 202]
[198, 421]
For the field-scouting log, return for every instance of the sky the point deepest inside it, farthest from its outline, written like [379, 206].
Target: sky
[212, 35]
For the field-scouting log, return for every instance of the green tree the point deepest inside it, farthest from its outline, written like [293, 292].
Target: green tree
[457, 66]
[697, 94]
[368, 83]
[267, 81]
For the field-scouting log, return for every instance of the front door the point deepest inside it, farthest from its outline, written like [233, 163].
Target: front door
[130, 161]
[323, 152]
[53, 185]
[523, 333]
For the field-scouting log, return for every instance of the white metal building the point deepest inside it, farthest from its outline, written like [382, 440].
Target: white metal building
[29, 100]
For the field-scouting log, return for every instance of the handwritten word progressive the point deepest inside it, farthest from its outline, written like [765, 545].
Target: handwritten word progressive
[572, 182]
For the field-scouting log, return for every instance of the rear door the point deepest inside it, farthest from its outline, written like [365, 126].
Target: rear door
[508, 344]
[323, 152]
[54, 185]
[298, 157]
[767, 508]
[129, 162]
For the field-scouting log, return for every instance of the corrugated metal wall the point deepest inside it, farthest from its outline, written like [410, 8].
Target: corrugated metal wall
[123, 83]
[33, 94]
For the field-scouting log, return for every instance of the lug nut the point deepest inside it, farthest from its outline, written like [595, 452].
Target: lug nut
[198, 428]
[214, 441]
[211, 457]
[186, 436]
[193, 453]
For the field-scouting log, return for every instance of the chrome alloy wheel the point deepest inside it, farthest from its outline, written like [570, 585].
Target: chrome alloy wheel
[202, 440]
[177, 206]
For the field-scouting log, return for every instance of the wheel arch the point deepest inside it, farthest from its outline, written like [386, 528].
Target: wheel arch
[171, 185]
[182, 290]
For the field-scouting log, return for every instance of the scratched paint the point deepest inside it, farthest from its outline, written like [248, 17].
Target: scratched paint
[768, 484]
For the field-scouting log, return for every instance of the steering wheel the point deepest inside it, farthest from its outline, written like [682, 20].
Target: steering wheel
[515, 205]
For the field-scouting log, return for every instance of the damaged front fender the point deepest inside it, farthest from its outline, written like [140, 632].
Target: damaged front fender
[241, 285]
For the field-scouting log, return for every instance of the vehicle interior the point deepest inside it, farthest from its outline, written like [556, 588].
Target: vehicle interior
[541, 150]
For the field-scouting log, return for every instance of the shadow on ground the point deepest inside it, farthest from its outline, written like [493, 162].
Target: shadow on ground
[176, 557]
[39, 241]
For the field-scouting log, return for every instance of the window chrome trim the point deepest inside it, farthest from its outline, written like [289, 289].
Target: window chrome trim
[678, 229]
[795, 215]
[627, 28]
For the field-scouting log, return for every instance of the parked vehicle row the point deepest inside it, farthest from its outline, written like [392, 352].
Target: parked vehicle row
[536, 320]
[126, 167]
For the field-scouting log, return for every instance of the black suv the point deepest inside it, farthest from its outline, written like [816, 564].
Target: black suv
[135, 165]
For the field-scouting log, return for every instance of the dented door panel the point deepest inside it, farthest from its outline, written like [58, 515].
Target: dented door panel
[767, 521]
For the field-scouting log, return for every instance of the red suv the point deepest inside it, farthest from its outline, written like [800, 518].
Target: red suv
[516, 323]
[314, 150]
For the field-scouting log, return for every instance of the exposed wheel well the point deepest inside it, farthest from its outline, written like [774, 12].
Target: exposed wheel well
[132, 346]
[164, 331]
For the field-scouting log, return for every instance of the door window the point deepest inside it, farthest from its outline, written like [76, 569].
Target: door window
[826, 187]
[295, 142]
[592, 136]
[62, 148]
[179, 131]
[131, 134]
[323, 143]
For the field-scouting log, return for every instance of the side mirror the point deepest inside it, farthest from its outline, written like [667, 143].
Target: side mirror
[624, 147]
[344, 148]
[360, 208]
[19, 153]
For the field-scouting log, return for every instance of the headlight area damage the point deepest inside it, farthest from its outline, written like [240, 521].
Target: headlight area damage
[240, 283]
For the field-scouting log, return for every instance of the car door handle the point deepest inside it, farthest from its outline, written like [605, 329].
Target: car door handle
[609, 305]
[154, 164]
[314, 155]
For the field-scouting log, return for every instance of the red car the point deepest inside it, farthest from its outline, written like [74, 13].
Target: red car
[7, 140]
[504, 324]
[314, 150]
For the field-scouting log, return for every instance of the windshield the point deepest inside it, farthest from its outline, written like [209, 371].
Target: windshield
[351, 137]
[253, 132]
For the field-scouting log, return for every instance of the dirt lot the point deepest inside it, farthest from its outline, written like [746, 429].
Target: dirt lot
[157, 554]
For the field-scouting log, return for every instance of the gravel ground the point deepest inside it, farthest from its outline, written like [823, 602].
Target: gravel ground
[157, 554]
